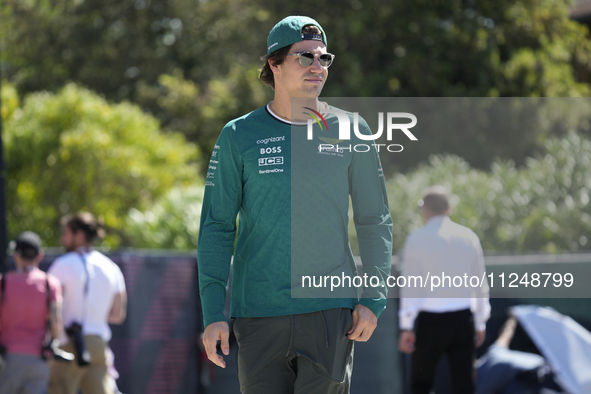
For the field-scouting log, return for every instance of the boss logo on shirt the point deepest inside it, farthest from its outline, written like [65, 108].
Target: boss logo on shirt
[267, 151]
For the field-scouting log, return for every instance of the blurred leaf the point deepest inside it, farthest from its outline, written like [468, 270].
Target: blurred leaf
[172, 222]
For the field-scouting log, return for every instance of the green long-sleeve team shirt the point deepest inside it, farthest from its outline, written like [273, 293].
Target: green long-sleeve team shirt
[291, 194]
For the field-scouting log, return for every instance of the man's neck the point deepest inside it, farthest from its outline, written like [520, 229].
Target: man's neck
[282, 107]
[439, 216]
[83, 248]
[86, 248]
[26, 267]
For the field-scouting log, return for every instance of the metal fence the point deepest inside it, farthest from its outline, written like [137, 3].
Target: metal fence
[156, 349]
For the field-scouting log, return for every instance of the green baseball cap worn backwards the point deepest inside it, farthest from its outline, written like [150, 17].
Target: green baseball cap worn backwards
[289, 31]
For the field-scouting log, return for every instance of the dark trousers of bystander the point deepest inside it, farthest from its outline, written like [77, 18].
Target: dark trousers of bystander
[449, 333]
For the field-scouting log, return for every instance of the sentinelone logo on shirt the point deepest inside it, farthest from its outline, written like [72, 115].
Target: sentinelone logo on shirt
[334, 145]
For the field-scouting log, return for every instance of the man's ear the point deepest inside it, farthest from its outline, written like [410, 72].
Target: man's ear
[39, 257]
[80, 237]
[273, 65]
[425, 211]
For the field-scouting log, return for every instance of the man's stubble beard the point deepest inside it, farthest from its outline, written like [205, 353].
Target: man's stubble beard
[313, 91]
[70, 247]
[310, 92]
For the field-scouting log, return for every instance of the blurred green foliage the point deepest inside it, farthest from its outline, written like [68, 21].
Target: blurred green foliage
[172, 222]
[200, 113]
[542, 206]
[73, 150]
[115, 89]
[193, 64]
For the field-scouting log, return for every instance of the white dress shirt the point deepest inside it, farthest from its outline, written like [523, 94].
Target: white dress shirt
[443, 249]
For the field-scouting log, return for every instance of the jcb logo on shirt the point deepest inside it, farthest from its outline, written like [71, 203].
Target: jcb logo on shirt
[274, 149]
[270, 161]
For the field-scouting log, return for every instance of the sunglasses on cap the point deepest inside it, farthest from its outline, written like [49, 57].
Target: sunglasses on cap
[307, 58]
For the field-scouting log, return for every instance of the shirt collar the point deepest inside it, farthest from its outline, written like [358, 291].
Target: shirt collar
[84, 249]
[437, 219]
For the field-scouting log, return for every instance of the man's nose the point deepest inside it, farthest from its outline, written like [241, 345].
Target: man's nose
[315, 66]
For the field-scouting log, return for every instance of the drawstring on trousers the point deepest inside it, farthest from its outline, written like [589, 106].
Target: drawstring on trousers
[290, 337]
[325, 328]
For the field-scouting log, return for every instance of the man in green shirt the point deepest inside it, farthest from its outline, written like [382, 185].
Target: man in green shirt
[292, 198]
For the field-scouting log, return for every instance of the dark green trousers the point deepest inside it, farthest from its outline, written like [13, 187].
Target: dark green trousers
[298, 354]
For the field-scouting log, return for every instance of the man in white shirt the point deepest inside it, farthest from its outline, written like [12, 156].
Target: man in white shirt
[94, 296]
[452, 319]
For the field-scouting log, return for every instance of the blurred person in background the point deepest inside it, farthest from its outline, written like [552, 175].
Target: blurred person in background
[502, 370]
[30, 301]
[452, 320]
[94, 297]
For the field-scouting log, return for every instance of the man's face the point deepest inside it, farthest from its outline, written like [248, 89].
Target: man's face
[298, 81]
[68, 239]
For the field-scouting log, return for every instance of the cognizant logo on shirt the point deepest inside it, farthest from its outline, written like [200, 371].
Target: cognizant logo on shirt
[272, 139]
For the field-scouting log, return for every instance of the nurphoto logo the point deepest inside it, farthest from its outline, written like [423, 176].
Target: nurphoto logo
[332, 144]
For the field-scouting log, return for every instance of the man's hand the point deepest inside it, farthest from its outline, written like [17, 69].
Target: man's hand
[480, 337]
[406, 344]
[118, 309]
[364, 322]
[218, 331]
